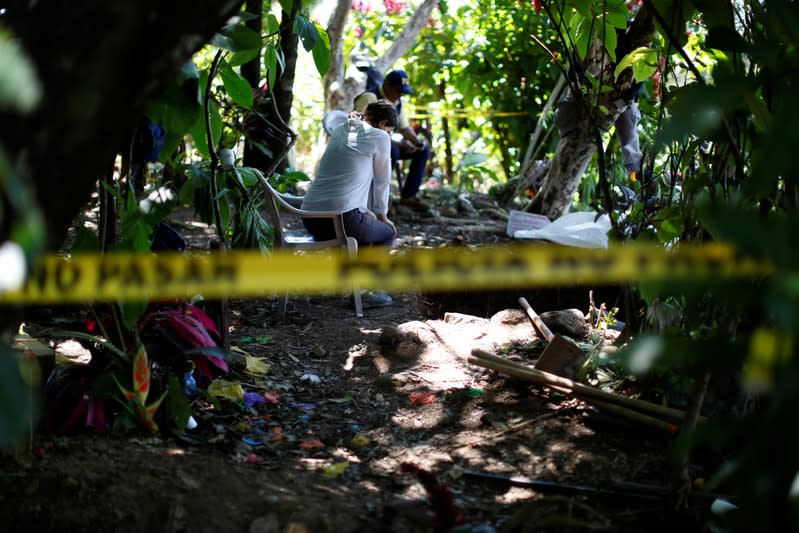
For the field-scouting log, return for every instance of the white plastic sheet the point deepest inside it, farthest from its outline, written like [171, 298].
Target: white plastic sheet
[581, 229]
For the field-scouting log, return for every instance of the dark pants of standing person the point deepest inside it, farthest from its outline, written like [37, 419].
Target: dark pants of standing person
[416, 173]
[366, 229]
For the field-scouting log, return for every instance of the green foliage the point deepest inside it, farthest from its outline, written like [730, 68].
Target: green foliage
[643, 61]
[20, 89]
[235, 85]
[239, 199]
[17, 408]
[20, 92]
[287, 181]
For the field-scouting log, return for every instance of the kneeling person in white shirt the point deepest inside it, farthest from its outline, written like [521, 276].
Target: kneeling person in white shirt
[354, 173]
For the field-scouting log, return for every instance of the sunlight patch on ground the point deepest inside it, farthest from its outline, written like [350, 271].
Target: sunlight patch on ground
[430, 417]
[73, 351]
[515, 495]
[359, 350]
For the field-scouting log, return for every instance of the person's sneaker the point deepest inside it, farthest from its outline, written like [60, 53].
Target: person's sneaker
[415, 203]
[372, 299]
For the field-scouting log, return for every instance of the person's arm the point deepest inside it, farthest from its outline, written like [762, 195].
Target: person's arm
[414, 142]
[381, 174]
[411, 142]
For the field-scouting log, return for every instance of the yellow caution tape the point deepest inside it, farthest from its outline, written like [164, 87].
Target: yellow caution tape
[56, 279]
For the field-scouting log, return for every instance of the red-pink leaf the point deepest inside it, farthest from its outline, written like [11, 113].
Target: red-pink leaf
[187, 327]
[204, 319]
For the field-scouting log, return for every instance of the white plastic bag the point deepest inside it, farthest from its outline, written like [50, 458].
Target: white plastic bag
[573, 229]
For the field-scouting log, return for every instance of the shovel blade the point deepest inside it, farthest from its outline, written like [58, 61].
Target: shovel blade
[561, 357]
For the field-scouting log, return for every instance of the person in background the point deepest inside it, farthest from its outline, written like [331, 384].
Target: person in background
[354, 174]
[412, 146]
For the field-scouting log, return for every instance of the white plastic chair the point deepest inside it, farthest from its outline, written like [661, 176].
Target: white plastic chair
[278, 202]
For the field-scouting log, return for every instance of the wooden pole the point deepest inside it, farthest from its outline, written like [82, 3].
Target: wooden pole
[528, 373]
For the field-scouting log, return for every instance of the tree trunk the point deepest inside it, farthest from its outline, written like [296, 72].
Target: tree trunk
[340, 91]
[251, 70]
[289, 41]
[334, 77]
[575, 150]
[101, 64]
[283, 91]
[571, 158]
[442, 93]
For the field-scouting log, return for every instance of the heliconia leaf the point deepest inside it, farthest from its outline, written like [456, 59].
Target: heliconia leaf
[153, 407]
[147, 413]
[141, 374]
[127, 394]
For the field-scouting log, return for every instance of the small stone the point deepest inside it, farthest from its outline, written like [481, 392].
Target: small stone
[569, 322]
[390, 335]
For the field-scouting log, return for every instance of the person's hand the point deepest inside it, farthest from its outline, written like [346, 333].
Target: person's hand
[408, 147]
[384, 219]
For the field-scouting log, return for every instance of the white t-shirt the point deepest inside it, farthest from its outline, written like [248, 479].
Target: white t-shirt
[357, 155]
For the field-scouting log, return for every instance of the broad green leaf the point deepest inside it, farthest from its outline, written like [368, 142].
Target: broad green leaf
[321, 51]
[247, 176]
[132, 310]
[287, 5]
[240, 58]
[307, 32]
[178, 406]
[236, 38]
[16, 399]
[617, 19]
[581, 29]
[271, 25]
[236, 86]
[171, 143]
[270, 65]
[610, 40]
[225, 211]
[670, 224]
[198, 130]
[583, 7]
[20, 88]
[695, 110]
[643, 61]
[180, 106]
[186, 194]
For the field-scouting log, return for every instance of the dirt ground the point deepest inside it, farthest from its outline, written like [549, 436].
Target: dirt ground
[350, 402]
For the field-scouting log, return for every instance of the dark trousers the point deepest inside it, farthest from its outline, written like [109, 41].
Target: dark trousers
[417, 171]
[366, 229]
